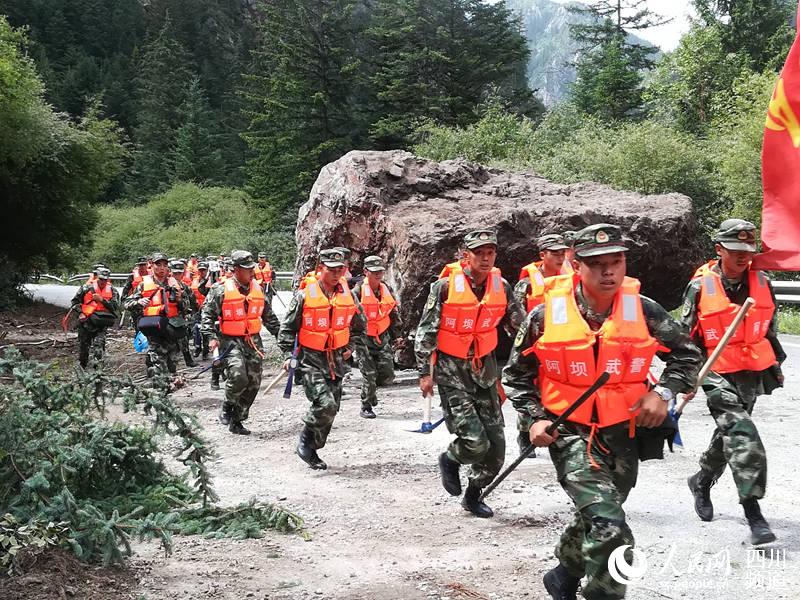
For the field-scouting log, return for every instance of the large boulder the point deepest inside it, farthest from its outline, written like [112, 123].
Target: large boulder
[414, 212]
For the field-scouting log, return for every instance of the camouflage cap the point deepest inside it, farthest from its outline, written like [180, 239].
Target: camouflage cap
[159, 256]
[262, 255]
[374, 263]
[599, 239]
[202, 265]
[176, 266]
[243, 259]
[737, 234]
[193, 255]
[97, 266]
[142, 260]
[103, 273]
[333, 257]
[569, 237]
[551, 241]
[480, 237]
[346, 251]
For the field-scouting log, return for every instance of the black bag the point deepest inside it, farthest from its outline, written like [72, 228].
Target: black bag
[154, 327]
[100, 320]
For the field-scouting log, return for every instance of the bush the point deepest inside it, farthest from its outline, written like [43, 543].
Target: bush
[185, 219]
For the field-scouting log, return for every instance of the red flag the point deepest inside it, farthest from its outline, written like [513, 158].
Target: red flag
[780, 172]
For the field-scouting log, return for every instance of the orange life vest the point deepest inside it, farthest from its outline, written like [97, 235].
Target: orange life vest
[263, 274]
[186, 277]
[467, 324]
[159, 299]
[533, 272]
[137, 278]
[196, 291]
[89, 306]
[326, 323]
[378, 311]
[192, 267]
[566, 352]
[748, 349]
[241, 315]
[449, 267]
[91, 280]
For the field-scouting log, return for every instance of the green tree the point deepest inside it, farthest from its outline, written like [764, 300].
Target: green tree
[51, 169]
[610, 64]
[197, 155]
[758, 29]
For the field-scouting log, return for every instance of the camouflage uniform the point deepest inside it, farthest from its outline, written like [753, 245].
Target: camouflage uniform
[191, 309]
[243, 361]
[321, 373]
[163, 351]
[598, 525]
[469, 394]
[731, 398]
[376, 356]
[92, 337]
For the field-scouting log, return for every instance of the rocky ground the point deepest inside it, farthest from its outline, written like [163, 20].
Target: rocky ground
[383, 528]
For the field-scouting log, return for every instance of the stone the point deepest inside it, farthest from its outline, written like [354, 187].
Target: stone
[414, 213]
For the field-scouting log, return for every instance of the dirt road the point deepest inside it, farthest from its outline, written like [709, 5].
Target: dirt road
[383, 528]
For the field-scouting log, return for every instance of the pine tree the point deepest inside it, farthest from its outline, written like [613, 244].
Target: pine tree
[610, 64]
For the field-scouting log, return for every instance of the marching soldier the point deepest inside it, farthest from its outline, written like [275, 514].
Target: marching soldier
[529, 293]
[178, 269]
[322, 321]
[200, 288]
[589, 323]
[456, 339]
[98, 303]
[140, 271]
[264, 276]
[376, 354]
[748, 367]
[161, 300]
[233, 313]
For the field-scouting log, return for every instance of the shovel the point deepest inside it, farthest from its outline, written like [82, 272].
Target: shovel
[676, 412]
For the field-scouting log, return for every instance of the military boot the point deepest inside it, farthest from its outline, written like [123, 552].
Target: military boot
[214, 380]
[560, 584]
[700, 485]
[471, 502]
[760, 533]
[523, 441]
[305, 450]
[187, 358]
[225, 414]
[367, 412]
[237, 428]
[450, 478]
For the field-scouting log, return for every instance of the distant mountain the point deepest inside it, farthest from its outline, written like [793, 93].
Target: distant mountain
[546, 25]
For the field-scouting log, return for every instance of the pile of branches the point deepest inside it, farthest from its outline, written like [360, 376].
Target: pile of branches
[71, 478]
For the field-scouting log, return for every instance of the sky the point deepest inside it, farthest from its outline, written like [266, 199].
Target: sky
[667, 36]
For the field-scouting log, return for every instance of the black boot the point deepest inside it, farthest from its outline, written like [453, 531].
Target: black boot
[225, 414]
[196, 351]
[187, 358]
[471, 502]
[214, 380]
[560, 584]
[700, 485]
[305, 450]
[367, 412]
[237, 428]
[523, 441]
[449, 470]
[760, 533]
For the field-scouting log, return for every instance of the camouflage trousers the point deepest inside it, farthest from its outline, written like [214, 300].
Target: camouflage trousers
[162, 354]
[91, 341]
[598, 526]
[377, 369]
[476, 419]
[243, 376]
[524, 419]
[325, 396]
[735, 441]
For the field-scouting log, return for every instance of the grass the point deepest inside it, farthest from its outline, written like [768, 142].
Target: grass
[789, 320]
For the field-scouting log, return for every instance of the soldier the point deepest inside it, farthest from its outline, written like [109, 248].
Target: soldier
[264, 275]
[161, 299]
[376, 356]
[192, 266]
[200, 287]
[456, 339]
[98, 303]
[748, 367]
[93, 276]
[322, 321]
[529, 293]
[178, 269]
[139, 272]
[569, 253]
[238, 308]
[592, 322]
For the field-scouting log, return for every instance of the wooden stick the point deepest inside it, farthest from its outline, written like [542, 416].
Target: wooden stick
[275, 381]
[718, 350]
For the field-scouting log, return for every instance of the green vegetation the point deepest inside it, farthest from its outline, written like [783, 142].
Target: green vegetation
[71, 479]
[789, 320]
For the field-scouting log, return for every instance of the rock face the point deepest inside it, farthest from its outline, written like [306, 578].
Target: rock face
[414, 212]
